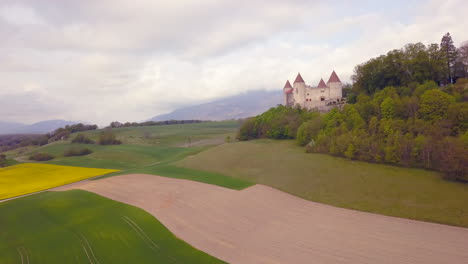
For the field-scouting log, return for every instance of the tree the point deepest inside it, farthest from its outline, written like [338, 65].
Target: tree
[458, 116]
[434, 105]
[462, 60]
[449, 53]
[388, 108]
[2, 160]
[108, 138]
[308, 131]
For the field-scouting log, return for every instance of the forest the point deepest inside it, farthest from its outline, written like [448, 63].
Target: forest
[406, 108]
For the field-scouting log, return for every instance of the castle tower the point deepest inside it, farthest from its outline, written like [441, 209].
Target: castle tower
[288, 96]
[324, 91]
[299, 90]
[335, 85]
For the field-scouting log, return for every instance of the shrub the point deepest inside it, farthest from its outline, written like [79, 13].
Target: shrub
[108, 138]
[308, 131]
[77, 152]
[2, 160]
[41, 156]
[81, 138]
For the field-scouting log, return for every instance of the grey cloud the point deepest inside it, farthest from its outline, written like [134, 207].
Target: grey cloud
[100, 61]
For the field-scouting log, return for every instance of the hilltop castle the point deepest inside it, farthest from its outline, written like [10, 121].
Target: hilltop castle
[323, 97]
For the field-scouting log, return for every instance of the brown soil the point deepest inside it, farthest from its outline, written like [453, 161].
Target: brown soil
[263, 225]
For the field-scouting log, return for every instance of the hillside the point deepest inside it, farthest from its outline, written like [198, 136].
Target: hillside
[235, 107]
[376, 188]
[36, 128]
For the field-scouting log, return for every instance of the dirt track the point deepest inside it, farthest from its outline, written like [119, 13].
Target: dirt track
[263, 225]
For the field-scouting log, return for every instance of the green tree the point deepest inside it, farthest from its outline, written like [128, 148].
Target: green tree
[458, 115]
[350, 151]
[309, 130]
[352, 118]
[434, 105]
[388, 108]
[3, 160]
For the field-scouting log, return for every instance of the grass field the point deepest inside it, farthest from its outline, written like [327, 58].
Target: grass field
[402, 192]
[141, 146]
[32, 177]
[170, 171]
[81, 227]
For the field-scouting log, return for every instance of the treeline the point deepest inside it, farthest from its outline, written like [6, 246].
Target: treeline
[411, 65]
[9, 142]
[64, 132]
[116, 124]
[427, 129]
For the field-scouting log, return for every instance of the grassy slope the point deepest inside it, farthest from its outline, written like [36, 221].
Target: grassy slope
[403, 192]
[142, 145]
[56, 227]
[168, 170]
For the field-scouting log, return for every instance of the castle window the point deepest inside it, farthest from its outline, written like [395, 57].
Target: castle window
[307, 93]
[322, 98]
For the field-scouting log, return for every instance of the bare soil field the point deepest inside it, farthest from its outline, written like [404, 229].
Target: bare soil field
[263, 225]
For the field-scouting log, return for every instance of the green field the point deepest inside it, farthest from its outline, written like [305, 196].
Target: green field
[402, 192]
[141, 146]
[168, 170]
[81, 227]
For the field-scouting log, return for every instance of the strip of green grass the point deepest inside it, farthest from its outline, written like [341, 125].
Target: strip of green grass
[11, 162]
[196, 175]
[120, 157]
[395, 191]
[81, 227]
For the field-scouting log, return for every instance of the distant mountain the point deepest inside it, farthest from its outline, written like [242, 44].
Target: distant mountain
[9, 127]
[239, 106]
[36, 128]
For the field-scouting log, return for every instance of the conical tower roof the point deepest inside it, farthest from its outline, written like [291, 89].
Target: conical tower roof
[299, 79]
[287, 85]
[322, 84]
[333, 78]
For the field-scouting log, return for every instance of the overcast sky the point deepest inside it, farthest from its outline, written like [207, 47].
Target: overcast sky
[103, 60]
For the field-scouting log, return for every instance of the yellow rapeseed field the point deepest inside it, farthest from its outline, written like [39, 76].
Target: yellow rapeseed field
[32, 177]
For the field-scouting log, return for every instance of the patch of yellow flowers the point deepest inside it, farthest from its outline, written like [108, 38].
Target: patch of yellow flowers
[32, 177]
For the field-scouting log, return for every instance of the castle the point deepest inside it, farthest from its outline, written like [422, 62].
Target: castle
[323, 97]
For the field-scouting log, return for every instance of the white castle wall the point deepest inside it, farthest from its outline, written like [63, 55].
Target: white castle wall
[299, 93]
[336, 90]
